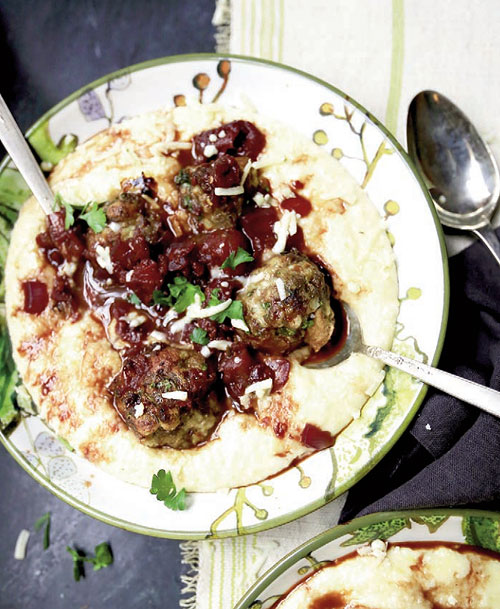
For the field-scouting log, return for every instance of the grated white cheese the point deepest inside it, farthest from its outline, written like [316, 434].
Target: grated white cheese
[114, 226]
[269, 161]
[138, 410]
[428, 427]
[175, 395]
[156, 337]
[205, 351]
[220, 345]
[68, 268]
[240, 324]
[210, 150]
[194, 311]
[229, 192]
[103, 258]
[280, 285]
[224, 284]
[222, 133]
[21, 544]
[262, 200]
[212, 137]
[260, 388]
[285, 226]
[246, 171]
[134, 319]
[129, 274]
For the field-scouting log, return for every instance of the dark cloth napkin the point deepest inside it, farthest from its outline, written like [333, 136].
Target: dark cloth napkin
[450, 454]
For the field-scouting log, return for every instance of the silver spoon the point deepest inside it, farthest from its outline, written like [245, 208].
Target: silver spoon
[456, 164]
[483, 397]
[23, 158]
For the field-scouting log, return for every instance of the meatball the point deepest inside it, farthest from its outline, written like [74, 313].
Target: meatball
[164, 395]
[128, 216]
[197, 186]
[286, 303]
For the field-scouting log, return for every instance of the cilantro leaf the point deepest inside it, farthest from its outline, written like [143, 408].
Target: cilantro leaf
[214, 298]
[198, 335]
[234, 310]
[176, 288]
[184, 293]
[78, 560]
[103, 558]
[160, 298]
[236, 258]
[134, 299]
[164, 488]
[44, 520]
[69, 216]
[94, 217]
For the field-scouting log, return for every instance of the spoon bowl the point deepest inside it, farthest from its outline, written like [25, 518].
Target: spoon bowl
[483, 397]
[457, 165]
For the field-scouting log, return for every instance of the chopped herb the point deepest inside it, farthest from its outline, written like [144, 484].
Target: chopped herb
[307, 323]
[236, 258]
[160, 298]
[69, 215]
[284, 331]
[266, 305]
[177, 287]
[198, 335]
[134, 299]
[94, 217]
[44, 521]
[164, 488]
[103, 558]
[187, 202]
[234, 310]
[182, 177]
[184, 293]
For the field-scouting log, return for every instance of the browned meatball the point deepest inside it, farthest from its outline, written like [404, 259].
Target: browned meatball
[286, 303]
[197, 187]
[128, 216]
[163, 395]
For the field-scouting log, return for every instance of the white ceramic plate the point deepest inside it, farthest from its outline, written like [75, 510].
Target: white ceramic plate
[369, 152]
[473, 527]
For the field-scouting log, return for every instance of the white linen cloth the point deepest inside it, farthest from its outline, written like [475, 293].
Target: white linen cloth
[382, 52]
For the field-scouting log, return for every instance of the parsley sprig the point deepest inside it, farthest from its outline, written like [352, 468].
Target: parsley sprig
[134, 299]
[234, 310]
[165, 490]
[91, 213]
[94, 216]
[44, 521]
[236, 258]
[180, 295]
[103, 558]
[200, 336]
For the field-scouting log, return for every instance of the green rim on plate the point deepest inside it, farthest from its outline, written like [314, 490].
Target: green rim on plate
[432, 515]
[272, 522]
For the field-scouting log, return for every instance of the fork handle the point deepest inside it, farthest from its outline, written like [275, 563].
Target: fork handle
[483, 397]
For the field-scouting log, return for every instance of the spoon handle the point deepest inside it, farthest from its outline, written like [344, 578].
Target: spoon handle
[23, 158]
[483, 397]
[488, 237]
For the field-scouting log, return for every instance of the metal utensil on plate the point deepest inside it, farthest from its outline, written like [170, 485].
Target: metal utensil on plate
[483, 397]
